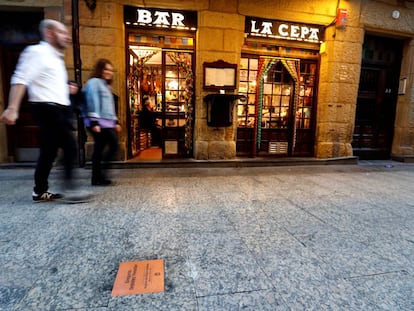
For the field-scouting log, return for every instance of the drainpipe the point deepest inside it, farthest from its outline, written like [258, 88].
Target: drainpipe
[78, 78]
[75, 42]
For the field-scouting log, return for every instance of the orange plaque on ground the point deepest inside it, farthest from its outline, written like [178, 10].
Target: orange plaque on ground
[139, 277]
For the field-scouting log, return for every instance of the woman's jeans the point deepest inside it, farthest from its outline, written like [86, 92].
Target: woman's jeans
[105, 148]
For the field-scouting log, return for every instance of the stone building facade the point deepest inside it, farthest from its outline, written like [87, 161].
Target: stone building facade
[341, 55]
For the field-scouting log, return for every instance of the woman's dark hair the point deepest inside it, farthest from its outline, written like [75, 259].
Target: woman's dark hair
[99, 68]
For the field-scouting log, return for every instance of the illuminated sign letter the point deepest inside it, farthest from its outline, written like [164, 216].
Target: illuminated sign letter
[314, 34]
[253, 29]
[144, 16]
[177, 19]
[294, 31]
[304, 32]
[283, 30]
[162, 18]
[267, 28]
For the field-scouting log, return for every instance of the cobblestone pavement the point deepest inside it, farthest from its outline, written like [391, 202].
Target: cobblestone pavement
[325, 237]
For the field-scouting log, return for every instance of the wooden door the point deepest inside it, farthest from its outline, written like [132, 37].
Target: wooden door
[177, 97]
[23, 137]
[377, 98]
[17, 30]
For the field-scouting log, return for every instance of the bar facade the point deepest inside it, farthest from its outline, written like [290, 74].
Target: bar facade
[235, 79]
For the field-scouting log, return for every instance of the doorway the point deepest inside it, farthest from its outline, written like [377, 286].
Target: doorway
[161, 78]
[18, 30]
[377, 97]
[277, 117]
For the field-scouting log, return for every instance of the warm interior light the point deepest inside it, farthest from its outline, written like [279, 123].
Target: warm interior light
[173, 85]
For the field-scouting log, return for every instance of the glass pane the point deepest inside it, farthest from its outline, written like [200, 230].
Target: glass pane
[252, 87]
[169, 61]
[267, 100]
[286, 90]
[171, 96]
[251, 110]
[277, 89]
[172, 122]
[277, 77]
[241, 110]
[171, 72]
[243, 87]
[253, 63]
[250, 122]
[267, 88]
[244, 63]
[171, 84]
[251, 99]
[284, 112]
[285, 101]
[181, 122]
[252, 75]
[276, 101]
[244, 75]
[183, 86]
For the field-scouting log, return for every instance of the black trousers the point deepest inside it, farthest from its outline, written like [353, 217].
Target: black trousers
[55, 132]
[104, 149]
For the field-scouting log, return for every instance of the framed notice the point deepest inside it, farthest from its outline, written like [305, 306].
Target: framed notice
[219, 75]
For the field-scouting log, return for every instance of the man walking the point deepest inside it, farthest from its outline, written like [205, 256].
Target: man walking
[41, 71]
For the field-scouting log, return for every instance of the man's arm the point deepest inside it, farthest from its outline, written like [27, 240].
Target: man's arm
[10, 115]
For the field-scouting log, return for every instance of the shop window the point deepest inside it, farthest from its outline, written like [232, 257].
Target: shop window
[276, 102]
[277, 96]
[166, 41]
[246, 109]
[175, 96]
[279, 105]
[305, 107]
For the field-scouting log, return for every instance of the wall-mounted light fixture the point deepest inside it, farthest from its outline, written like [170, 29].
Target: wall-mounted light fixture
[91, 4]
[402, 86]
[322, 48]
[395, 14]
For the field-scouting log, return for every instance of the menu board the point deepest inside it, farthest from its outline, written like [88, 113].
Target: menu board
[219, 75]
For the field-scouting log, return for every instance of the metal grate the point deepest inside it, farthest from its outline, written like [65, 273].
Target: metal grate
[278, 147]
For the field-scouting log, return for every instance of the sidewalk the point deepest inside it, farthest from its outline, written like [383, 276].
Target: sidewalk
[309, 237]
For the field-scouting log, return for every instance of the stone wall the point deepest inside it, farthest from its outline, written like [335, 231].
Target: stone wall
[338, 86]
[403, 143]
[101, 35]
[220, 37]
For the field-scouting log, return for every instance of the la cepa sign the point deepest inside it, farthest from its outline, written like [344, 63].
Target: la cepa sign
[147, 17]
[283, 30]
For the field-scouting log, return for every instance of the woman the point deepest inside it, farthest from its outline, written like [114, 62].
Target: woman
[100, 118]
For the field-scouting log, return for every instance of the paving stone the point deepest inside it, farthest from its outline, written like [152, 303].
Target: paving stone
[317, 237]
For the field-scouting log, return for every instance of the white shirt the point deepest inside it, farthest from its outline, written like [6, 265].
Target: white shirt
[41, 68]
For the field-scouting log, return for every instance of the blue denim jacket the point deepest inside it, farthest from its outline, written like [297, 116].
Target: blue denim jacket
[99, 99]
